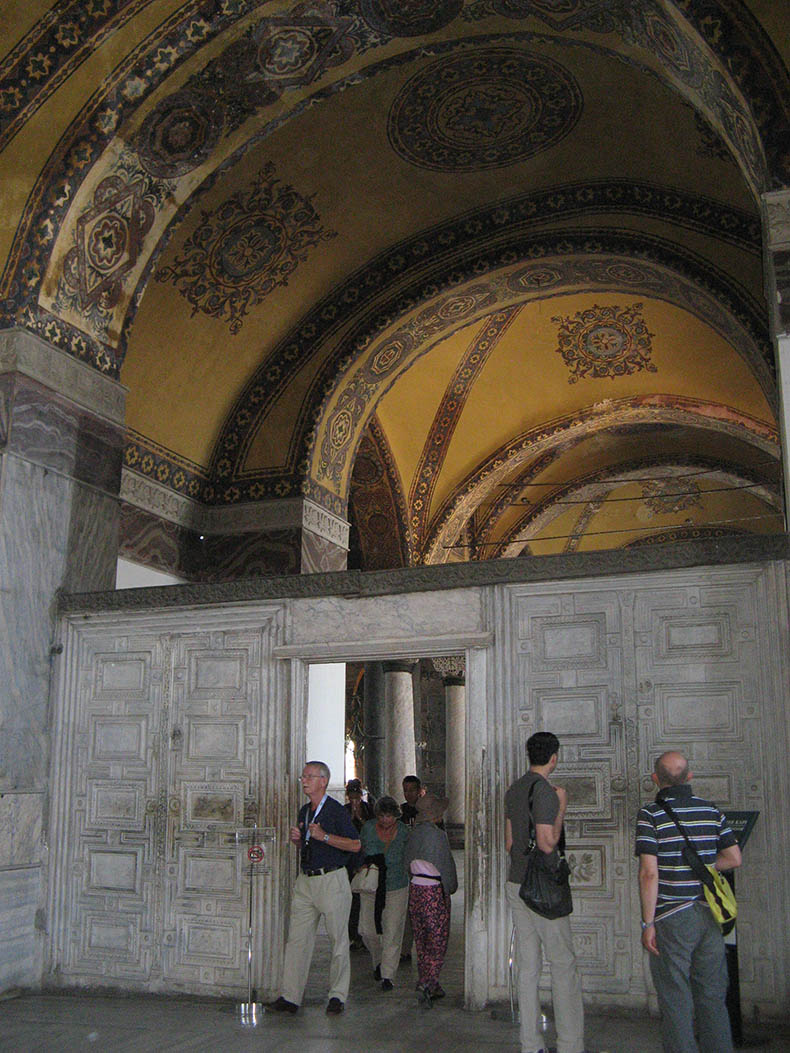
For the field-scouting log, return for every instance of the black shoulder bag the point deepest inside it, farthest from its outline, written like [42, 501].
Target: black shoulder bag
[546, 886]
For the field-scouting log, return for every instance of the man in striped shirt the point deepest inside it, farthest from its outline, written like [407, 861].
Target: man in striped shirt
[687, 959]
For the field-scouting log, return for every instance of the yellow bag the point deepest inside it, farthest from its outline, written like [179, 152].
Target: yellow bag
[719, 894]
[720, 897]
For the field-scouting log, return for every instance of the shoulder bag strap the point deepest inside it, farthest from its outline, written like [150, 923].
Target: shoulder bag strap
[699, 868]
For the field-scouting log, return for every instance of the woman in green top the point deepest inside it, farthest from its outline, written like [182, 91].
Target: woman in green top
[382, 915]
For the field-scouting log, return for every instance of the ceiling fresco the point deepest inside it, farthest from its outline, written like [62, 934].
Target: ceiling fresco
[482, 277]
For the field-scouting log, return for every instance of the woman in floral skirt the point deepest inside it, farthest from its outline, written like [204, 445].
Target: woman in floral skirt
[433, 879]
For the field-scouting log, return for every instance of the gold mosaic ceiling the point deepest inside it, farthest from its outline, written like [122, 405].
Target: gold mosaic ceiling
[502, 257]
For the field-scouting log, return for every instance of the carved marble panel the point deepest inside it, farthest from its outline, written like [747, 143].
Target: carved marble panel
[211, 804]
[109, 939]
[218, 740]
[119, 739]
[114, 805]
[123, 677]
[699, 711]
[566, 650]
[211, 871]
[160, 737]
[114, 870]
[214, 675]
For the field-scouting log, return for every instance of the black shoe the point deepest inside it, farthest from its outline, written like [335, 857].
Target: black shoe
[282, 1005]
[387, 985]
[437, 992]
[334, 1007]
[377, 973]
[424, 998]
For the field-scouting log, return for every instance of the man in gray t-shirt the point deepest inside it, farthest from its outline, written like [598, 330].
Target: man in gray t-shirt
[536, 935]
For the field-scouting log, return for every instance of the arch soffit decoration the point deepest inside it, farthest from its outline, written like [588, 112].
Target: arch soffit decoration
[600, 485]
[535, 449]
[97, 146]
[547, 266]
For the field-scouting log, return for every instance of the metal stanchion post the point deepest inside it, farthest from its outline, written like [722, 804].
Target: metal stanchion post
[251, 1011]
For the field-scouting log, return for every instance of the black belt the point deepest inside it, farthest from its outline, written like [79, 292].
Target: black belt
[322, 870]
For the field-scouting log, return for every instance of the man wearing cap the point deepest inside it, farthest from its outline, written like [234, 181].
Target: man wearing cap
[326, 836]
[535, 935]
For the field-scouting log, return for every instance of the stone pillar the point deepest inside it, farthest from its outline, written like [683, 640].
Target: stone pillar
[400, 751]
[61, 445]
[373, 718]
[777, 269]
[453, 678]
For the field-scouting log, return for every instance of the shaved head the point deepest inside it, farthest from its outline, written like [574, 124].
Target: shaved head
[671, 769]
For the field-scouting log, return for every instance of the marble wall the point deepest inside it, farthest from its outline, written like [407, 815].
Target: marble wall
[622, 667]
[60, 468]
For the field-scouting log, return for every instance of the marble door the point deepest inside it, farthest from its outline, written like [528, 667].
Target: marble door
[622, 671]
[572, 670]
[158, 766]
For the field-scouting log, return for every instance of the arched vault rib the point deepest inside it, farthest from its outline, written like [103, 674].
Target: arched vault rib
[483, 484]
[596, 490]
[494, 237]
[382, 347]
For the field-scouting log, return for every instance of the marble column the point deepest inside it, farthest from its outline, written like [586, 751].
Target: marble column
[373, 719]
[61, 445]
[776, 223]
[454, 681]
[399, 746]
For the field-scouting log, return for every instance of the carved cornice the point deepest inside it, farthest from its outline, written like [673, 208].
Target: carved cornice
[777, 219]
[263, 516]
[324, 523]
[160, 500]
[23, 352]
[709, 552]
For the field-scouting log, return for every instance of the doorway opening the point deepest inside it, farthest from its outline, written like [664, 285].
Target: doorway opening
[378, 722]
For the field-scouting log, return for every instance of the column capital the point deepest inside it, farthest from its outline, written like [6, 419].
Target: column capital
[452, 669]
[27, 354]
[777, 219]
[399, 667]
[776, 212]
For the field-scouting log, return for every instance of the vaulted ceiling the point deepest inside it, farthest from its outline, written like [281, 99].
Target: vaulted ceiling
[485, 277]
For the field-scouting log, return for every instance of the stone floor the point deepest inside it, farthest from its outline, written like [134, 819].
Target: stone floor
[373, 1020]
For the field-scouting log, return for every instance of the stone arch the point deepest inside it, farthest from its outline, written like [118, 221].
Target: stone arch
[369, 362]
[498, 469]
[117, 134]
[598, 487]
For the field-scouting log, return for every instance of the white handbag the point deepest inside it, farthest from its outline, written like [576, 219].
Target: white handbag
[366, 879]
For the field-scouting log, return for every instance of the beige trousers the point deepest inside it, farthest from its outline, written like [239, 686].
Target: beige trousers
[385, 947]
[537, 937]
[327, 895]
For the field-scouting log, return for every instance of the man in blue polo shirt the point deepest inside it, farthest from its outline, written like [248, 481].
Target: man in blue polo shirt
[326, 837]
[687, 958]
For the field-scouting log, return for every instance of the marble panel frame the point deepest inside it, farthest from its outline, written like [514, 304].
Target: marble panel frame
[481, 622]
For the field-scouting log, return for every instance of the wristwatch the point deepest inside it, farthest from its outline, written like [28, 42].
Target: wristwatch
[326, 837]
[646, 924]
